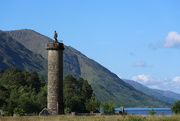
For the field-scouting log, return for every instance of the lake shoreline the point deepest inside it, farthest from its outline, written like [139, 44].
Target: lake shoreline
[145, 111]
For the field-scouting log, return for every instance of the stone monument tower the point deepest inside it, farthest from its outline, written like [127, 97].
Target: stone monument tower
[55, 103]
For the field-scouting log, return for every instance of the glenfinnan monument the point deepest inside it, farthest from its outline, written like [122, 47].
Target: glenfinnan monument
[55, 103]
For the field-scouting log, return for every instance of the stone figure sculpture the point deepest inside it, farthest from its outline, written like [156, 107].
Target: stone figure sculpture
[55, 36]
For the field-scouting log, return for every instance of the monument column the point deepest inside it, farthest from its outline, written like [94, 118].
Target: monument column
[55, 77]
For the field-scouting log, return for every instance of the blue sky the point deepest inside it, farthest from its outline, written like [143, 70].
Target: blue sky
[135, 39]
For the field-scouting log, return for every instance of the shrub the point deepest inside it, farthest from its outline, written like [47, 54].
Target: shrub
[176, 107]
[19, 111]
[108, 107]
[152, 112]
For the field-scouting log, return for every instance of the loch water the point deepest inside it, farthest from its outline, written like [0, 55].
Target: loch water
[145, 111]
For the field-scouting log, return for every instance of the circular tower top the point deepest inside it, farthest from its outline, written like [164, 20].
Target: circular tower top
[55, 46]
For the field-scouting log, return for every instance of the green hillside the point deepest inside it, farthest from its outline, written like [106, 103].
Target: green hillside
[31, 40]
[13, 53]
[106, 85]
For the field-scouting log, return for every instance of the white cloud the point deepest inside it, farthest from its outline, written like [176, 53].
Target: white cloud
[176, 79]
[140, 64]
[172, 40]
[154, 87]
[142, 78]
[172, 84]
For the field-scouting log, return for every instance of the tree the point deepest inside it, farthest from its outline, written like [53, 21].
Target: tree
[9, 106]
[176, 107]
[4, 94]
[11, 77]
[108, 107]
[93, 104]
[84, 88]
[152, 112]
[21, 92]
[76, 94]
[42, 97]
[34, 80]
[1, 72]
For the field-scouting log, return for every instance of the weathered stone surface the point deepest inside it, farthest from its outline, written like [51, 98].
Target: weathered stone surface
[1, 112]
[45, 112]
[55, 78]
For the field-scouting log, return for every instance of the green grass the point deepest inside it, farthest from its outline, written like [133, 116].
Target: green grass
[92, 118]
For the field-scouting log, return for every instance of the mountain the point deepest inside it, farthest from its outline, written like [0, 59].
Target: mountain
[37, 43]
[106, 85]
[13, 53]
[29, 38]
[169, 94]
[157, 94]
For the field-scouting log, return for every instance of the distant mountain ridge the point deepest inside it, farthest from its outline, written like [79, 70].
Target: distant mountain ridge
[169, 94]
[106, 85]
[166, 96]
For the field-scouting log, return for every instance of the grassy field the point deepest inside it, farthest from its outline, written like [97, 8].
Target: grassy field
[92, 118]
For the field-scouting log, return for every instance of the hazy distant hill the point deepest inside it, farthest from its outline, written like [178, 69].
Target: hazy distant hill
[169, 94]
[158, 94]
[106, 85]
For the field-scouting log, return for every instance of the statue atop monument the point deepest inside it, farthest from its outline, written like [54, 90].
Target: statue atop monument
[55, 36]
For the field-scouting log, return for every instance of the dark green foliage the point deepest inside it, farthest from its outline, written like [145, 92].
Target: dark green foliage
[22, 92]
[19, 111]
[152, 112]
[93, 104]
[108, 107]
[176, 107]
[4, 94]
[76, 94]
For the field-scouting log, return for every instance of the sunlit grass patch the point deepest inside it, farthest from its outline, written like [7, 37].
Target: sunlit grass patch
[93, 118]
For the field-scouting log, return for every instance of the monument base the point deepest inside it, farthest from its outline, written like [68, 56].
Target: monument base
[45, 112]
